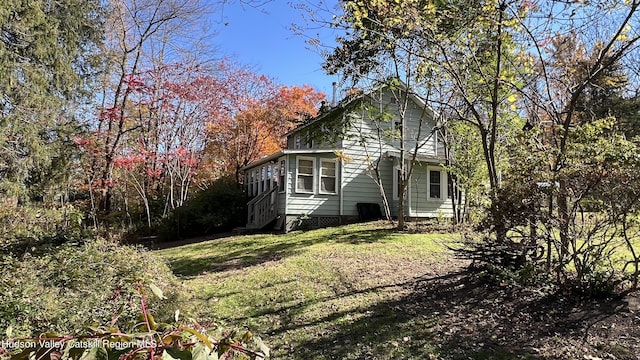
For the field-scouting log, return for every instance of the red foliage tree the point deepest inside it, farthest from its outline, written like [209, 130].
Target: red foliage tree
[262, 113]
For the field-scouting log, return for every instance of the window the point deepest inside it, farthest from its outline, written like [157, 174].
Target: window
[305, 175]
[434, 184]
[397, 182]
[250, 184]
[328, 179]
[256, 180]
[268, 184]
[281, 178]
[298, 142]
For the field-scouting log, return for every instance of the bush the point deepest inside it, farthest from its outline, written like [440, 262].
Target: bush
[23, 227]
[219, 208]
[73, 286]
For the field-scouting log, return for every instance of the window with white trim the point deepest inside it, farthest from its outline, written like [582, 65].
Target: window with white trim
[397, 182]
[305, 174]
[298, 142]
[328, 178]
[435, 188]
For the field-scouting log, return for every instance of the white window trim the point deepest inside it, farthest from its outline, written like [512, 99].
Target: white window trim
[443, 194]
[297, 142]
[313, 174]
[396, 194]
[335, 176]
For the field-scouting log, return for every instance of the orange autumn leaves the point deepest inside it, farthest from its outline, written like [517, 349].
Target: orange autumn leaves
[260, 113]
[182, 124]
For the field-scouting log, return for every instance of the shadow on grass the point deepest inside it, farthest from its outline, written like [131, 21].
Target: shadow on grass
[363, 236]
[454, 315]
[457, 316]
[256, 250]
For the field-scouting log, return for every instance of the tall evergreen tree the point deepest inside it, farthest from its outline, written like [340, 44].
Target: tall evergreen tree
[47, 54]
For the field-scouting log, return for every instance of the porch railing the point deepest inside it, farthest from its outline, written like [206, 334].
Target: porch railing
[262, 209]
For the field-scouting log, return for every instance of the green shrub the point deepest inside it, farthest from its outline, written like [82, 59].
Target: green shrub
[75, 285]
[219, 208]
[27, 226]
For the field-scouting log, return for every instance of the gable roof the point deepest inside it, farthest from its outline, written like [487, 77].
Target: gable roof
[351, 99]
[340, 107]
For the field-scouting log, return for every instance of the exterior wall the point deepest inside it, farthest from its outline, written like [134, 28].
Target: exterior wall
[422, 204]
[384, 101]
[360, 148]
[359, 186]
[314, 203]
[296, 141]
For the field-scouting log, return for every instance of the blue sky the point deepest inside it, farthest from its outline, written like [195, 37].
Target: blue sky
[262, 38]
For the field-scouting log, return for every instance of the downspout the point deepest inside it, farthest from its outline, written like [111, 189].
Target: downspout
[341, 211]
[409, 194]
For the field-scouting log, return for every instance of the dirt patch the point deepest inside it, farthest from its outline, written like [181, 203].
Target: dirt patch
[473, 316]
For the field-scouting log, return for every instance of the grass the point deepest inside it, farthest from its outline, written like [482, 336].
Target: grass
[325, 294]
[367, 292]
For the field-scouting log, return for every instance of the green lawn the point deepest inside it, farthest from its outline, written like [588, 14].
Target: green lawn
[338, 293]
[367, 292]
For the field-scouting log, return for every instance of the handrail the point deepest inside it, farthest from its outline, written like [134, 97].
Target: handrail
[260, 196]
[262, 209]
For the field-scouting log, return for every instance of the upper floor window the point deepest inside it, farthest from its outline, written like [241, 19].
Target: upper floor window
[299, 142]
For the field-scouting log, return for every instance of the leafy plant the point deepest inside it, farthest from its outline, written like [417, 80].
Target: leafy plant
[67, 287]
[27, 226]
[147, 339]
[219, 208]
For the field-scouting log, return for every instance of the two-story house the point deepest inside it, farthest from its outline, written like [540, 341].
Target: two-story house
[326, 169]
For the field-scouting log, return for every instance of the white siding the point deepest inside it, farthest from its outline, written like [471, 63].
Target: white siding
[363, 148]
[316, 204]
[384, 101]
[422, 205]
